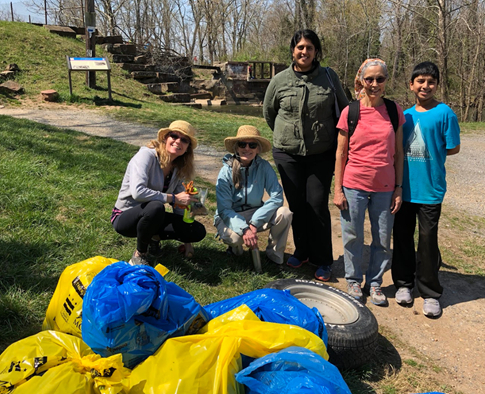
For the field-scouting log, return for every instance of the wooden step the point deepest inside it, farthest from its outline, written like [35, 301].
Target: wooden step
[122, 49]
[164, 87]
[176, 98]
[136, 67]
[109, 40]
[123, 58]
[62, 31]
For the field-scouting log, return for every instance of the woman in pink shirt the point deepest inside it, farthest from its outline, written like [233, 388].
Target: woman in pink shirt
[368, 176]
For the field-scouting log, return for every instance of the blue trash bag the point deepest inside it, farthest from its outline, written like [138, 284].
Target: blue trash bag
[275, 306]
[132, 310]
[294, 370]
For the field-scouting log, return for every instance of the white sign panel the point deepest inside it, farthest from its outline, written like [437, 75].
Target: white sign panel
[88, 64]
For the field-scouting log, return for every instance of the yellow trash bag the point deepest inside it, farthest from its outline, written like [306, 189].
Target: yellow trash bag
[56, 363]
[206, 363]
[64, 313]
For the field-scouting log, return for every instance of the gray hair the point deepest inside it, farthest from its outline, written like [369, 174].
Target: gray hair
[372, 64]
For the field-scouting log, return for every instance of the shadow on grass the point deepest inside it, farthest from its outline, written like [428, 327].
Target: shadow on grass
[387, 361]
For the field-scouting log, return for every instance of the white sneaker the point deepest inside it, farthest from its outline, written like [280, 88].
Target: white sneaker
[404, 295]
[431, 307]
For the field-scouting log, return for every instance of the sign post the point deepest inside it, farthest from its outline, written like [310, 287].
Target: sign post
[90, 23]
[89, 64]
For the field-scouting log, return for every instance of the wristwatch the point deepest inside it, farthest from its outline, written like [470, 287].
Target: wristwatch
[396, 186]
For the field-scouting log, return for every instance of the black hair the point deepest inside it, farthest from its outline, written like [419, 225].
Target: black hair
[426, 68]
[309, 35]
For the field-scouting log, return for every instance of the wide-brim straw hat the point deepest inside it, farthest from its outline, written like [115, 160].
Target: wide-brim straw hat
[245, 133]
[182, 127]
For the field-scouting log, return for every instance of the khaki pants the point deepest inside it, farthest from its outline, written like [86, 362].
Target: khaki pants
[278, 225]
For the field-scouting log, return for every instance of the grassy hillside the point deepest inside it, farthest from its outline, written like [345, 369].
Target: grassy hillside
[41, 57]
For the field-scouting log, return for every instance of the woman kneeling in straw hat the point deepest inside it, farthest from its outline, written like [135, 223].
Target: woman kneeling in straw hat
[241, 183]
[152, 179]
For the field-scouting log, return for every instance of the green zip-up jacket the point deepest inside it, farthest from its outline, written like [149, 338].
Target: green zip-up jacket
[301, 111]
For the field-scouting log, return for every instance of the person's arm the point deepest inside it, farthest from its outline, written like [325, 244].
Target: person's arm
[264, 213]
[398, 167]
[454, 151]
[342, 99]
[141, 167]
[224, 190]
[341, 160]
[270, 104]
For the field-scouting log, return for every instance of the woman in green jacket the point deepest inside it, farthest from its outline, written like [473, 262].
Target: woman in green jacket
[301, 106]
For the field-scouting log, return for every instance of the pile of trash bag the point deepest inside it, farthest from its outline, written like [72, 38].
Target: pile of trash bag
[55, 362]
[115, 328]
[132, 310]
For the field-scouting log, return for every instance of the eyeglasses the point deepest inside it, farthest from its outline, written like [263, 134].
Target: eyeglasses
[369, 80]
[242, 144]
[176, 137]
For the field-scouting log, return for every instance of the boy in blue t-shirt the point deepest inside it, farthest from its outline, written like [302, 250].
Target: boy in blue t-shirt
[431, 133]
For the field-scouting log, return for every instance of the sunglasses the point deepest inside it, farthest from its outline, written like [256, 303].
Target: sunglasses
[369, 80]
[176, 137]
[242, 144]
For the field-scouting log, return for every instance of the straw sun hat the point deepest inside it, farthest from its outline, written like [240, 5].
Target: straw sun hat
[245, 133]
[182, 127]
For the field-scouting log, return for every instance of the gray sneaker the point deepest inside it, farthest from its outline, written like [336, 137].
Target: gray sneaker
[139, 260]
[377, 297]
[404, 295]
[431, 307]
[354, 290]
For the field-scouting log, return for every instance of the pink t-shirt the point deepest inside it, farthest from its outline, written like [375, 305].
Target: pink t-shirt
[372, 146]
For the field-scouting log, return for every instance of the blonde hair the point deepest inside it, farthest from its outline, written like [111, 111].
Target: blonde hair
[184, 164]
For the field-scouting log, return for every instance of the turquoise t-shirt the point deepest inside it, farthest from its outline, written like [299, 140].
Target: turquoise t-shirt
[426, 137]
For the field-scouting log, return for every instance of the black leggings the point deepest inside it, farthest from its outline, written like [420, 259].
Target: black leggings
[150, 219]
[306, 181]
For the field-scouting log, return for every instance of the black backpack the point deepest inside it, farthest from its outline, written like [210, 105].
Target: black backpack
[354, 110]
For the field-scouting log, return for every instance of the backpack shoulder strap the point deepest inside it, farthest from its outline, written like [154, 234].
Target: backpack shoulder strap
[353, 116]
[392, 111]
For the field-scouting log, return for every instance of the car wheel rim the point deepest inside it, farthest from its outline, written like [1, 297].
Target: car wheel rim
[334, 308]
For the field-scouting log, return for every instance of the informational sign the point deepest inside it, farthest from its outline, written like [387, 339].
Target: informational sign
[88, 64]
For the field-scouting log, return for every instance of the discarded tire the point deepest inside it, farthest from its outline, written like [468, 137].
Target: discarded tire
[351, 326]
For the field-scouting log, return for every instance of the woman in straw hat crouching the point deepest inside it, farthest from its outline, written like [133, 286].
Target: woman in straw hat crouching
[241, 212]
[152, 179]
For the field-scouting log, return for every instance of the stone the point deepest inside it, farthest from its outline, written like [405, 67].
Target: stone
[11, 87]
[50, 95]
[12, 67]
[5, 75]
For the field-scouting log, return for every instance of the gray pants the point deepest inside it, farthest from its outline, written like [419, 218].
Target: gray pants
[278, 225]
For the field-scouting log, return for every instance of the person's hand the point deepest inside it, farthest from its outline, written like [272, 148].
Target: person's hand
[187, 250]
[396, 201]
[250, 237]
[339, 200]
[183, 199]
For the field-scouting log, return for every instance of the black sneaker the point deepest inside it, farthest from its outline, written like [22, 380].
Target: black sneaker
[154, 248]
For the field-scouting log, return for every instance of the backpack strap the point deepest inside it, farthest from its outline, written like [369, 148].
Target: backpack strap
[392, 111]
[353, 116]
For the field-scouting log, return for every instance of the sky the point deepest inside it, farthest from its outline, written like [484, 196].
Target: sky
[20, 10]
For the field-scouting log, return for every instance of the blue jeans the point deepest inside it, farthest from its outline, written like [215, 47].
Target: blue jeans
[352, 221]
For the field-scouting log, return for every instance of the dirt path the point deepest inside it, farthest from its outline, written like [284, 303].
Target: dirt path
[456, 341]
